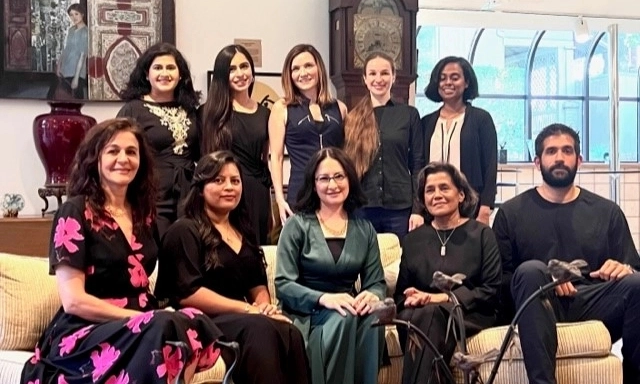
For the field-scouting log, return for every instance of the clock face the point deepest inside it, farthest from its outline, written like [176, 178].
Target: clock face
[375, 33]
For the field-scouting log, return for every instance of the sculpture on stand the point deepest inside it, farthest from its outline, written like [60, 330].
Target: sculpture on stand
[57, 135]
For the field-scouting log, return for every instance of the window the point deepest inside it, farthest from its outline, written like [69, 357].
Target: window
[530, 79]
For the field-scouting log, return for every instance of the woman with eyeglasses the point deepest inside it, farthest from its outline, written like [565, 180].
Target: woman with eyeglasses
[322, 250]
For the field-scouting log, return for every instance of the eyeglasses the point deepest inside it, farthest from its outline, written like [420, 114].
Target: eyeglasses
[326, 179]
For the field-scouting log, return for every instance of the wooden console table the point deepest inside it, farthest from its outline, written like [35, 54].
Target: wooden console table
[25, 235]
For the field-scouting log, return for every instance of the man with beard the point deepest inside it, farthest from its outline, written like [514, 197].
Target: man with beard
[559, 220]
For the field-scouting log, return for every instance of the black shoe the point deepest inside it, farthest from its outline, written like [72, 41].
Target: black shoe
[234, 347]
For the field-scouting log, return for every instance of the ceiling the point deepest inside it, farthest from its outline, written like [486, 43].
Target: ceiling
[623, 9]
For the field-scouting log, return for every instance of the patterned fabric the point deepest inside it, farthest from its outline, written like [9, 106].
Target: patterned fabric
[152, 347]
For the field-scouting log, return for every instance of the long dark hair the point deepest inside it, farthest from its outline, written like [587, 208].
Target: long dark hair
[217, 110]
[139, 86]
[468, 206]
[308, 200]
[85, 174]
[208, 168]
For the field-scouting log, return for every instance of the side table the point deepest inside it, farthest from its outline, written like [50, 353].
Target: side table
[25, 235]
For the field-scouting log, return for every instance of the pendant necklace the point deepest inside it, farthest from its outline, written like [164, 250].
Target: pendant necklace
[443, 243]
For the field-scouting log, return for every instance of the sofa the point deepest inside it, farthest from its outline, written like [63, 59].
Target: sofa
[28, 300]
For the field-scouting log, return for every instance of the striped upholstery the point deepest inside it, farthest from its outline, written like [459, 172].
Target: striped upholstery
[28, 300]
[584, 355]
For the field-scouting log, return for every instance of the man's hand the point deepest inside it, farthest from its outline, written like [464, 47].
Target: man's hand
[415, 221]
[612, 270]
[484, 214]
[566, 289]
[416, 298]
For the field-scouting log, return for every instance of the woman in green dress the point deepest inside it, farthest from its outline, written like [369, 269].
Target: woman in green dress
[322, 250]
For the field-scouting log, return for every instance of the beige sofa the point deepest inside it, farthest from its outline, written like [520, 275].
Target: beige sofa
[28, 300]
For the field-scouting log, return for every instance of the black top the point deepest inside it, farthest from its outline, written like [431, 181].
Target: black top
[173, 135]
[592, 228]
[249, 138]
[305, 136]
[471, 250]
[478, 150]
[115, 269]
[182, 270]
[390, 182]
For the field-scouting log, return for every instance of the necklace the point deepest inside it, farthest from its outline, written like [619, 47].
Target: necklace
[333, 231]
[227, 232]
[115, 212]
[443, 243]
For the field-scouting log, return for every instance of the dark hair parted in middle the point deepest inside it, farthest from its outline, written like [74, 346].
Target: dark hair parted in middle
[468, 206]
[308, 200]
[208, 168]
[470, 93]
[217, 110]
[85, 175]
[139, 85]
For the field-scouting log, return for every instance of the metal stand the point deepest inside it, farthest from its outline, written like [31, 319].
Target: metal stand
[56, 191]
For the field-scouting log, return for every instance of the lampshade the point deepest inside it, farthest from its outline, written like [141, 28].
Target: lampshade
[581, 31]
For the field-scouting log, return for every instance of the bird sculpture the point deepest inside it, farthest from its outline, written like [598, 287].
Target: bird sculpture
[564, 271]
[445, 283]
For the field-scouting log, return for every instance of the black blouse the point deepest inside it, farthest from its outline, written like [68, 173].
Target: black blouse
[182, 266]
[391, 182]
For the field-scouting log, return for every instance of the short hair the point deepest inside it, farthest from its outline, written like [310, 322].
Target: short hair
[207, 169]
[85, 174]
[470, 93]
[468, 206]
[308, 200]
[292, 94]
[139, 85]
[78, 8]
[553, 130]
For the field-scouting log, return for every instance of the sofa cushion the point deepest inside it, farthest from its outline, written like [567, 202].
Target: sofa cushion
[583, 339]
[11, 363]
[28, 302]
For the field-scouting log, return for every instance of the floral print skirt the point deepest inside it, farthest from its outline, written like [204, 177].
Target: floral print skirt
[152, 347]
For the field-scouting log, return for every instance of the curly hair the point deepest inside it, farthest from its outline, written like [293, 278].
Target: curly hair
[85, 172]
[308, 200]
[468, 206]
[470, 93]
[217, 110]
[292, 94]
[208, 168]
[139, 86]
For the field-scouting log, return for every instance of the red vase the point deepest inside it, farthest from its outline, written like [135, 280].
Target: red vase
[57, 135]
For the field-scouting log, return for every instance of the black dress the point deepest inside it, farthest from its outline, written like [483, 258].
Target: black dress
[148, 348]
[173, 135]
[472, 250]
[250, 138]
[271, 351]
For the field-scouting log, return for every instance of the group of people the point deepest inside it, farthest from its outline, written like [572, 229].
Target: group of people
[187, 186]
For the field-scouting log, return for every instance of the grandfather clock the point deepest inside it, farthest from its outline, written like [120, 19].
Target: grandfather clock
[361, 27]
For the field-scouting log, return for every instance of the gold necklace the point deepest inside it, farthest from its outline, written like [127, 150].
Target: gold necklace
[333, 231]
[115, 212]
[227, 232]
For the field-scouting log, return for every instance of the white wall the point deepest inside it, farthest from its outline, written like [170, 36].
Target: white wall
[203, 27]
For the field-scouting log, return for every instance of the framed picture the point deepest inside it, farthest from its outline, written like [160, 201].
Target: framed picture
[267, 88]
[77, 49]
